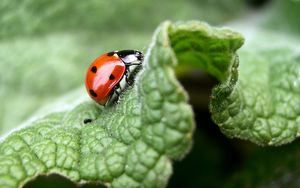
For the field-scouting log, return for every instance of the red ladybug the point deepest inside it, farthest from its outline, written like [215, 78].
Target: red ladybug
[105, 73]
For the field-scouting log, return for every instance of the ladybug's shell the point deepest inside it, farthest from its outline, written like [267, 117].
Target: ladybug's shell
[100, 81]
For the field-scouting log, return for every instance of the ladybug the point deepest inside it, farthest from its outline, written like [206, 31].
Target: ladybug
[105, 73]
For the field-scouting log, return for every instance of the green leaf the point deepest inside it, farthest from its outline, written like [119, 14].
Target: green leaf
[207, 48]
[129, 144]
[263, 104]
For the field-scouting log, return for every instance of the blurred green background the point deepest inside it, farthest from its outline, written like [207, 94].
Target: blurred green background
[46, 47]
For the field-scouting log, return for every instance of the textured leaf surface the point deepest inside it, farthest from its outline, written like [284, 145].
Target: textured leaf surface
[260, 100]
[129, 144]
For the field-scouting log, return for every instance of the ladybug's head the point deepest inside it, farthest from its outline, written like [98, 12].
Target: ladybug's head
[139, 55]
[130, 56]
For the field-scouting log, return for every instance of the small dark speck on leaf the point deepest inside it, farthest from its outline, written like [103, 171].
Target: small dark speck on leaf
[87, 121]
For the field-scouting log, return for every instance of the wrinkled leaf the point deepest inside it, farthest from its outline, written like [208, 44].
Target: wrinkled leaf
[131, 143]
[150, 126]
[259, 101]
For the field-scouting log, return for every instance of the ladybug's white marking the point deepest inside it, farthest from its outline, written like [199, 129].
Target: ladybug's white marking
[130, 58]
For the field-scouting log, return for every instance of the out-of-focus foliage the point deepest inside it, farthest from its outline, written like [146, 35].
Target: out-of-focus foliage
[32, 17]
[283, 16]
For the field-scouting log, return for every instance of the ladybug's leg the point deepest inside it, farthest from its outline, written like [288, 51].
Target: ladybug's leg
[129, 64]
[117, 88]
[117, 92]
[127, 76]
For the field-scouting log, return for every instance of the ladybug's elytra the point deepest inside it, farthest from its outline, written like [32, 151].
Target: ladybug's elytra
[105, 73]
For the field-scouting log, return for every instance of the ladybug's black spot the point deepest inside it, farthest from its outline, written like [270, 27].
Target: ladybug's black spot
[87, 121]
[111, 77]
[94, 69]
[110, 53]
[92, 92]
